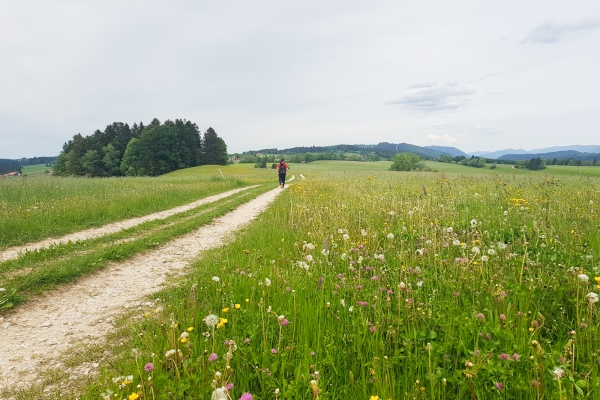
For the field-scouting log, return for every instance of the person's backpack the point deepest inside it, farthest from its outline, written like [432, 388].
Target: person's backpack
[282, 168]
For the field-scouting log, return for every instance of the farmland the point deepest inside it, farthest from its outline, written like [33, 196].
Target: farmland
[378, 285]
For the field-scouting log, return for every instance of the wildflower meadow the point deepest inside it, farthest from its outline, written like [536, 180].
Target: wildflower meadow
[381, 286]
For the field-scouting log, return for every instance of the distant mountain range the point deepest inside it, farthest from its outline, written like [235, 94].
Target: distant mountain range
[385, 149]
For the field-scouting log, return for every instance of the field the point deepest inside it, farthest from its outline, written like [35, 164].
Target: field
[36, 207]
[368, 284]
[37, 169]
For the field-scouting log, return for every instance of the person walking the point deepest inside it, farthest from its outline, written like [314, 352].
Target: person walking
[282, 168]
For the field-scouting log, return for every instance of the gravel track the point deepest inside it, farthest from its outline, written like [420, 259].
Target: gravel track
[34, 336]
[14, 252]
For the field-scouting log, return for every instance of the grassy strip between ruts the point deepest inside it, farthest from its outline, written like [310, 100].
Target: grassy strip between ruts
[41, 270]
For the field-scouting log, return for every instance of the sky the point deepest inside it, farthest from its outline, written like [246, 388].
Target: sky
[479, 76]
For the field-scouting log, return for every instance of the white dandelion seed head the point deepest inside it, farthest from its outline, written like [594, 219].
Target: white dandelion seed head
[325, 252]
[343, 256]
[390, 236]
[211, 320]
[473, 223]
[592, 297]
[449, 229]
[491, 252]
[456, 242]
[346, 236]
[558, 372]
[501, 245]
[484, 258]
[583, 278]
[170, 353]
[309, 246]
[267, 282]
[363, 232]
[303, 265]
[505, 212]
[184, 335]
[216, 279]
[308, 258]
[475, 250]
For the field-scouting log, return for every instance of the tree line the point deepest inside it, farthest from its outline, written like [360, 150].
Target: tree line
[155, 149]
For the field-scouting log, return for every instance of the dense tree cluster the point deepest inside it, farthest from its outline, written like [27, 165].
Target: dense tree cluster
[406, 162]
[140, 150]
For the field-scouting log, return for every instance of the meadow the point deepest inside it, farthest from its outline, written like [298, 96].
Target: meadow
[369, 284]
[383, 286]
[40, 206]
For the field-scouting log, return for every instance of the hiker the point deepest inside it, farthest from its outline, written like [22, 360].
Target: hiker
[282, 168]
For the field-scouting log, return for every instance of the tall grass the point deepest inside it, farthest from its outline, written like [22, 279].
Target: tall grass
[384, 286]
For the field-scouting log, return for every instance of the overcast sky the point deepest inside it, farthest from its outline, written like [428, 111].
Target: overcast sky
[471, 74]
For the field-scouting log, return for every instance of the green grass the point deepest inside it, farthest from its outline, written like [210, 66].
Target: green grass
[416, 307]
[37, 169]
[38, 207]
[508, 169]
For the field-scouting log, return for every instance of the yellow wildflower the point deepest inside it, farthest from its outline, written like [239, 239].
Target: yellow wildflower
[531, 329]
[597, 279]
[237, 306]
[183, 340]
[222, 322]
[247, 300]
[225, 310]
[133, 396]
[191, 328]
[374, 398]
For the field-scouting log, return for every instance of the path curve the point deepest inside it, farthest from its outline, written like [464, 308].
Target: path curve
[36, 334]
[14, 252]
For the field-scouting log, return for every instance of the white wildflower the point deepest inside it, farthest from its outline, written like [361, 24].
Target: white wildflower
[308, 258]
[346, 236]
[211, 320]
[170, 353]
[505, 212]
[363, 232]
[583, 278]
[219, 394]
[420, 283]
[309, 246]
[390, 236]
[484, 258]
[491, 252]
[473, 223]
[184, 335]
[558, 372]
[402, 285]
[456, 242]
[267, 282]
[449, 229]
[360, 260]
[216, 279]
[325, 252]
[343, 302]
[351, 308]
[344, 256]
[463, 245]
[392, 213]
[501, 245]
[592, 297]
[303, 265]
[475, 250]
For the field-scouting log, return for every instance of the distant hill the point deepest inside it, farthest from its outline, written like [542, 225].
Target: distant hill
[567, 154]
[409, 148]
[498, 153]
[453, 151]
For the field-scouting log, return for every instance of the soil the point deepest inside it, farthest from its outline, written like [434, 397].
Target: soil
[37, 335]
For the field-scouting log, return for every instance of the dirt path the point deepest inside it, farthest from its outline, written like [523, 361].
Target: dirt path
[13, 252]
[35, 335]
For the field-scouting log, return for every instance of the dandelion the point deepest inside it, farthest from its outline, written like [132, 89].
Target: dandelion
[558, 372]
[238, 306]
[211, 320]
[484, 258]
[390, 236]
[308, 258]
[449, 229]
[170, 353]
[592, 297]
[583, 278]
[363, 232]
[309, 246]
[374, 398]
[267, 282]
[303, 265]
[501, 246]
[216, 279]
[456, 242]
[325, 252]
[491, 252]
[213, 357]
[133, 396]
[191, 328]
[475, 250]
[473, 223]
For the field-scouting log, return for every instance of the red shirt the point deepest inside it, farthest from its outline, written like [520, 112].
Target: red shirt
[279, 166]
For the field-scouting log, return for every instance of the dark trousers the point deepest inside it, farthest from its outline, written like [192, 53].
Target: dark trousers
[282, 179]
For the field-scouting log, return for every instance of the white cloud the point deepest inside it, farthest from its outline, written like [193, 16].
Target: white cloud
[431, 97]
[485, 128]
[445, 138]
[552, 33]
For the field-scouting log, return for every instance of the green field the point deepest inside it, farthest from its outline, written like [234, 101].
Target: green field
[38, 169]
[359, 282]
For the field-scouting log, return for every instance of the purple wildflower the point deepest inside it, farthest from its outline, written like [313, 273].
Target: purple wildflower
[504, 356]
[499, 385]
[274, 351]
[246, 396]
[148, 367]
[213, 357]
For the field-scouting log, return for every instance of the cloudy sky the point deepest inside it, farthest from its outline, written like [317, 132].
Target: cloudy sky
[471, 74]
